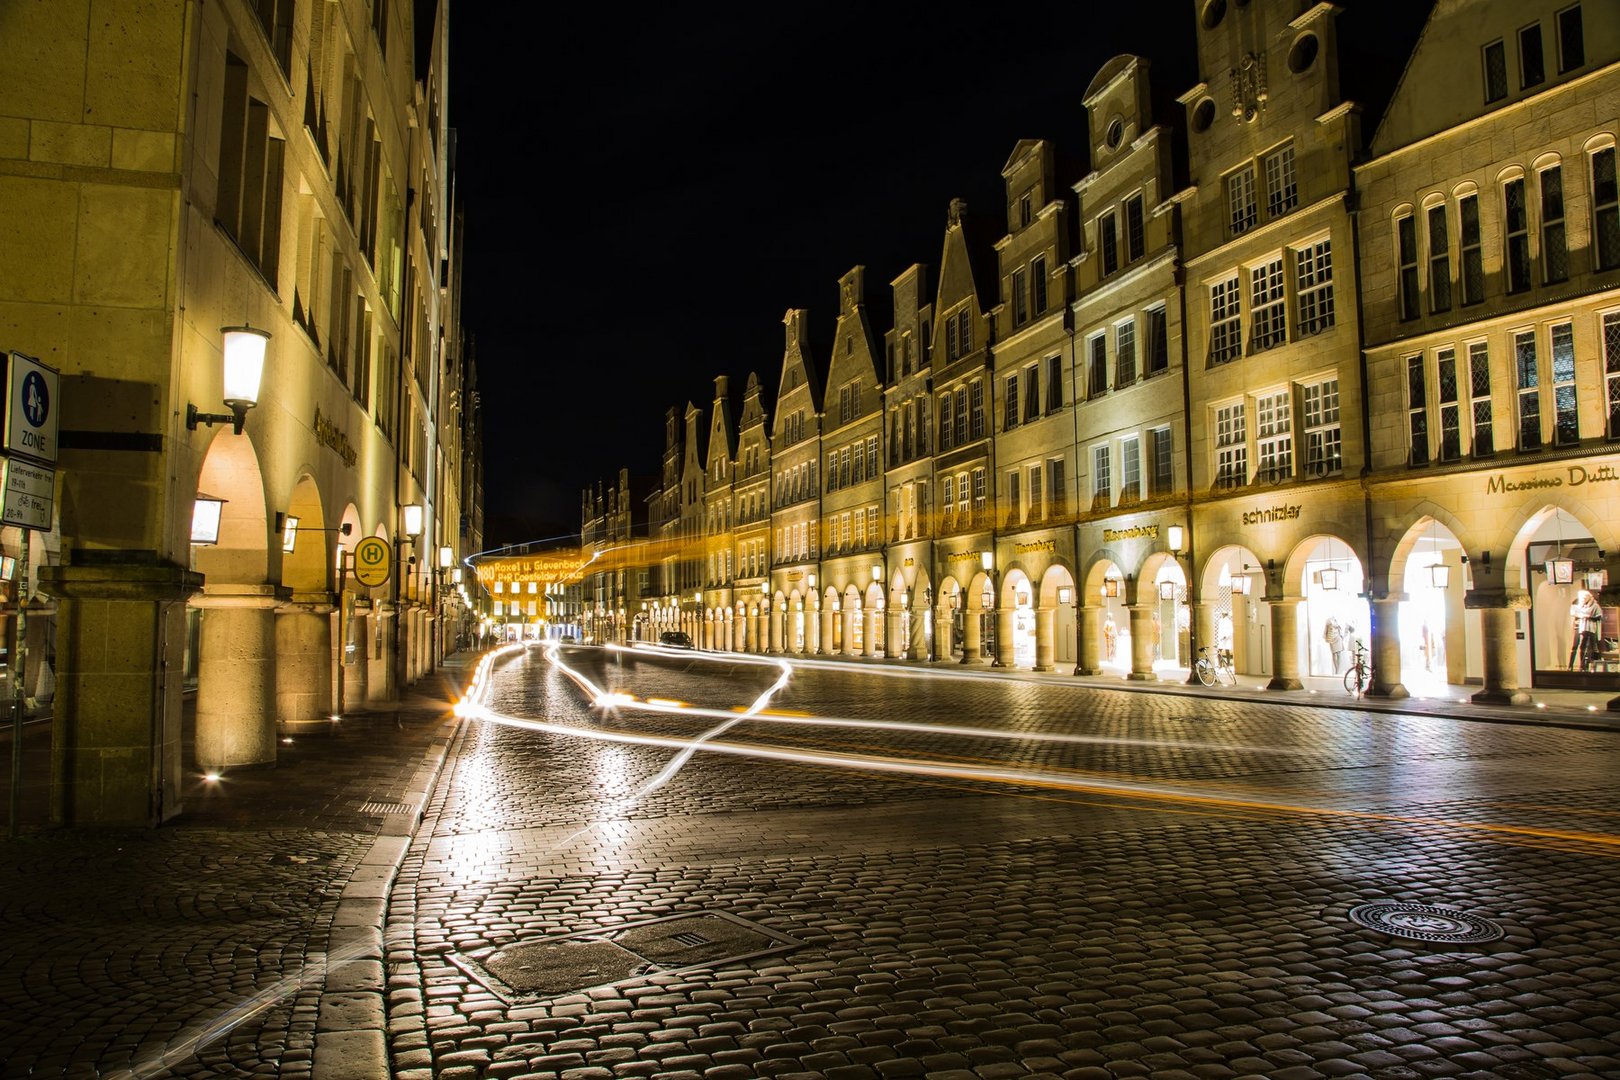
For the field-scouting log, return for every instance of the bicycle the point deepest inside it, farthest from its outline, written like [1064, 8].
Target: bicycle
[1215, 666]
[1358, 677]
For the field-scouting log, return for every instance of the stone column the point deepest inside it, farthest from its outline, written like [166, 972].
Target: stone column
[895, 645]
[1004, 638]
[116, 736]
[972, 631]
[303, 662]
[382, 682]
[236, 675]
[1285, 643]
[944, 632]
[356, 675]
[1142, 643]
[1045, 623]
[1091, 639]
[1203, 621]
[1386, 647]
[824, 644]
[812, 629]
[874, 619]
[1500, 646]
[777, 628]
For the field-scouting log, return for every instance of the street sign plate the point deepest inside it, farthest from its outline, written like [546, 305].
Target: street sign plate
[31, 409]
[26, 494]
[372, 559]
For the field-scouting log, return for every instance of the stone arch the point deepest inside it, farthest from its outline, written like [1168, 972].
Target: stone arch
[1056, 622]
[1016, 619]
[1389, 576]
[1321, 596]
[307, 567]
[231, 472]
[1558, 532]
[1427, 579]
[1230, 610]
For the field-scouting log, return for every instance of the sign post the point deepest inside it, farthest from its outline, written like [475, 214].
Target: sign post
[27, 491]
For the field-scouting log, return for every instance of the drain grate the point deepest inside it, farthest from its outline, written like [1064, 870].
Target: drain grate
[375, 807]
[568, 963]
[1425, 922]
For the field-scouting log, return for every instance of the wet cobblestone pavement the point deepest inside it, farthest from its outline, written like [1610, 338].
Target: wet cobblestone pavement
[1048, 881]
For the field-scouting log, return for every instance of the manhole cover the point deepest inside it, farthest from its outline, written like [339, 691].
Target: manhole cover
[1423, 922]
[566, 963]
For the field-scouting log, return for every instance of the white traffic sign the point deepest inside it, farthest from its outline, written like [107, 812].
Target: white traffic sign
[26, 494]
[31, 412]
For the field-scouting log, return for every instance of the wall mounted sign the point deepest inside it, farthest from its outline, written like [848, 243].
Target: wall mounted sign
[1271, 514]
[372, 560]
[1579, 475]
[334, 438]
[1151, 532]
[1033, 546]
[31, 414]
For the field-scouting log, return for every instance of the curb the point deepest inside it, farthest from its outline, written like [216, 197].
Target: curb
[352, 1026]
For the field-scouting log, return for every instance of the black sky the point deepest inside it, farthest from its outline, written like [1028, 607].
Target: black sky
[646, 194]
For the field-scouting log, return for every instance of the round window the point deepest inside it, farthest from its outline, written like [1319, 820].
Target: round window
[1214, 12]
[1116, 134]
[1303, 54]
[1203, 115]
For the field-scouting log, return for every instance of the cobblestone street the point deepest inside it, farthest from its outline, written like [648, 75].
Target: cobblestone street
[1048, 880]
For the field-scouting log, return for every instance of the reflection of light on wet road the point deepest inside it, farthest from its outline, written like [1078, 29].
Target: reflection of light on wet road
[1148, 792]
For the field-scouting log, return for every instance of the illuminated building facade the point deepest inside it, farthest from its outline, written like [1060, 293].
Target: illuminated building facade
[719, 520]
[183, 170]
[751, 608]
[1181, 425]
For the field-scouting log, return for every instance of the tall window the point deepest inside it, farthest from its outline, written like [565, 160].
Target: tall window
[1406, 258]
[1108, 242]
[1479, 397]
[1532, 64]
[1554, 251]
[1268, 325]
[948, 506]
[1417, 410]
[945, 416]
[1125, 353]
[1231, 446]
[1313, 271]
[1571, 40]
[1097, 366]
[1241, 210]
[1057, 489]
[1035, 477]
[964, 330]
[1158, 341]
[1611, 371]
[1450, 420]
[1225, 329]
[979, 508]
[1605, 209]
[248, 207]
[1324, 441]
[952, 348]
[1473, 258]
[1009, 405]
[1282, 192]
[1019, 299]
[1439, 260]
[1102, 481]
[1032, 393]
[1054, 384]
[1135, 236]
[1159, 446]
[1528, 381]
[1566, 425]
[1130, 469]
[1037, 280]
[1516, 223]
[975, 417]
[1495, 72]
[1274, 436]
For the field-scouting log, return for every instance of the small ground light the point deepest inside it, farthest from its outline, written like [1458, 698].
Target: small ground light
[1541, 705]
[1591, 708]
[334, 718]
[211, 777]
[287, 741]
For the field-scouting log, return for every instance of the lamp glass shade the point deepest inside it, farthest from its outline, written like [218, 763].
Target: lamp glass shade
[205, 519]
[1329, 578]
[1240, 585]
[447, 556]
[1110, 586]
[413, 519]
[1561, 571]
[455, 576]
[1175, 536]
[877, 572]
[1167, 590]
[289, 534]
[1597, 579]
[244, 363]
[987, 559]
[1440, 575]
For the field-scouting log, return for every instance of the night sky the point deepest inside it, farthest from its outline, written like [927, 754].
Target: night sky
[646, 195]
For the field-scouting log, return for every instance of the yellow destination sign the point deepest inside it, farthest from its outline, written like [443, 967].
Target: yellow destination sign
[372, 558]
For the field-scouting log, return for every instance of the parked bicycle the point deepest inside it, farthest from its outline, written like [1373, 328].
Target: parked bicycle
[1215, 666]
[1358, 676]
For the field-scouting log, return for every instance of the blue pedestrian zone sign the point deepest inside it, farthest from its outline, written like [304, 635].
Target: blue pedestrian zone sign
[31, 413]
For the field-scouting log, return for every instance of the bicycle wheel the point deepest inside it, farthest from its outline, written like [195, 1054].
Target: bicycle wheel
[1357, 679]
[1205, 674]
[1229, 675]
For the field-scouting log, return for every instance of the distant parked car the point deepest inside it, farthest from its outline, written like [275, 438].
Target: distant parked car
[676, 639]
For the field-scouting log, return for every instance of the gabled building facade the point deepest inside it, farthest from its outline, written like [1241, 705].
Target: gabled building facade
[719, 520]
[795, 455]
[911, 521]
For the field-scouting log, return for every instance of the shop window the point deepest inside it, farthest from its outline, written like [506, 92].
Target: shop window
[1527, 380]
[1241, 209]
[1611, 371]
[1439, 260]
[1606, 209]
[1313, 270]
[1274, 436]
[1269, 325]
[1406, 261]
[1471, 250]
[1282, 190]
[1225, 321]
[1324, 441]
[1231, 446]
[1417, 411]
[1566, 423]
[1102, 481]
[1571, 40]
[1450, 417]
[1125, 353]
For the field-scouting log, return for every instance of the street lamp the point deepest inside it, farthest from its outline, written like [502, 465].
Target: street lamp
[243, 359]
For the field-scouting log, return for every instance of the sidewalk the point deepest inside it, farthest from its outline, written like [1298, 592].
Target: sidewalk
[255, 920]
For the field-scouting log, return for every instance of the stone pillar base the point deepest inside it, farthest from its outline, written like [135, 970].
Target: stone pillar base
[1280, 683]
[1389, 693]
[1504, 697]
[1142, 676]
